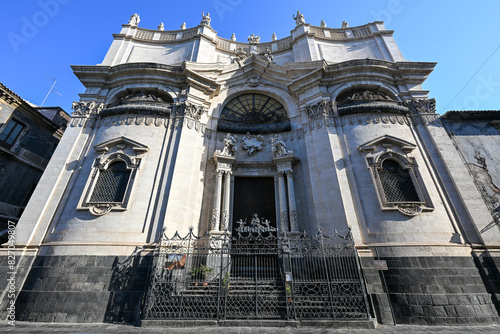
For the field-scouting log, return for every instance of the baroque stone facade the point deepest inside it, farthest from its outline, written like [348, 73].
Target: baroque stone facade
[322, 134]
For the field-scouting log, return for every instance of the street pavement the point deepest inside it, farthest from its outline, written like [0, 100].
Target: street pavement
[45, 328]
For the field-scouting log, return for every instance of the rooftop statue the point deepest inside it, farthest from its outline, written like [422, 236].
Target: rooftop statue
[253, 39]
[345, 25]
[299, 19]
[206, 19]
[273, 37]
[161, 27]
[233, 37]
[183, 26]
[134, 20]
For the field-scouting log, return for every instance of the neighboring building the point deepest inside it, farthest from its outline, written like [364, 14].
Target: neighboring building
[28, 137]
[256, 144]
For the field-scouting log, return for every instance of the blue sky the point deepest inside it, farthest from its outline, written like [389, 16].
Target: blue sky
[40, 39]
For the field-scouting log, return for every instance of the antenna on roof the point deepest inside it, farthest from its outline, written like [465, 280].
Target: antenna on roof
[50, 90]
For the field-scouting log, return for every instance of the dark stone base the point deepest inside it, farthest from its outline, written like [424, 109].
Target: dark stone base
[84, 289]
[21, 269]
[433, 290]
[422, 290]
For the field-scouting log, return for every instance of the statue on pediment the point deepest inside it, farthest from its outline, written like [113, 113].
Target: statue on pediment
[240, 53]
[279, 147]
[267, 54]
[229, 146]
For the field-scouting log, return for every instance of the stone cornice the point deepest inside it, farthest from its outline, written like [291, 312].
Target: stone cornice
[99, 75]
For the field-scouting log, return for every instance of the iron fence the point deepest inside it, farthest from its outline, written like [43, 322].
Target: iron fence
[256, 273]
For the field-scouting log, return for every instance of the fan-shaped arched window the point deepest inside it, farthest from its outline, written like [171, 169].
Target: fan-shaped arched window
[397, 183]
[111, 183]
[254, 113]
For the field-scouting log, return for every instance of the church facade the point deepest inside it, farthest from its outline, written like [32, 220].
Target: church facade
[184, 133]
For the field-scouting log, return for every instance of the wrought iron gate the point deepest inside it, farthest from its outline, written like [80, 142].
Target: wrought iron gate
[256, 274]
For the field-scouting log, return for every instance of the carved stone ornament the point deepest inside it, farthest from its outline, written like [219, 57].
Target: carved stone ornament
[87, 108]
[422, 106]
[368, 96]
[225, 220]
[294, 220]
[252, 144]
[100, 209]
[256, 225]
[279, 147]
[193, 111]
[284, 221]
[410, 209]
[320, 109]
[254, 81]
[229, 146]
[215, 219]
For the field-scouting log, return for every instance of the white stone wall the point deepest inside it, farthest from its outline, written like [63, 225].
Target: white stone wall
[392, 226]
[132, 226]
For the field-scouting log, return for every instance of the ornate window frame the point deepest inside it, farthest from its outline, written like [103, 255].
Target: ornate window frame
[119, 149]
[388, 150]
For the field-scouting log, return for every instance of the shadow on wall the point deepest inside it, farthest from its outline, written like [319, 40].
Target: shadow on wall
[488, 269]
[127, 287]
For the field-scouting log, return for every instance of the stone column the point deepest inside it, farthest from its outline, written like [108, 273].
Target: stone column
[283, 160]
[227, 200]
[282, 197]
[224, 164]
[294, 224]
[216, 209]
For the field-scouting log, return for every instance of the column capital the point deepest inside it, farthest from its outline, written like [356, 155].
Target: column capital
[223, 163]
[284, 164]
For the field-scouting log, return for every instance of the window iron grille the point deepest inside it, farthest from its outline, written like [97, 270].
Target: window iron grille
[111, 184]
[397, 183]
